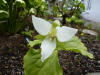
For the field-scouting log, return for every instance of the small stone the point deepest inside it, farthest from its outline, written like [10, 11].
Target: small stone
[13, 57]
[18, 73]
[0, 73]
[23, 73]
[91, 32]
[60, 19]
[99, 62]
[6, 66]
[94, 73]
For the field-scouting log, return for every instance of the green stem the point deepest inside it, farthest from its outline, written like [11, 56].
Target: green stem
[10, 3]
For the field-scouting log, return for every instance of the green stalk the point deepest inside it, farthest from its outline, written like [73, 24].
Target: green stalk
[10, 3]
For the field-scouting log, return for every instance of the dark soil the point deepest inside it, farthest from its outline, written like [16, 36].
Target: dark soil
[13, 48]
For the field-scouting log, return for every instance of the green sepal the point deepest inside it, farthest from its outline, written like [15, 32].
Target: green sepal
[39, 37]
[35, 42]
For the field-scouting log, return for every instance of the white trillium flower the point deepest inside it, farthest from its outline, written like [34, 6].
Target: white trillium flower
[44, 28]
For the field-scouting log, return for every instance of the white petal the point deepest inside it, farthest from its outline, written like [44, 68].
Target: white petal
[47, 46]
[65, 33]
[42, 26]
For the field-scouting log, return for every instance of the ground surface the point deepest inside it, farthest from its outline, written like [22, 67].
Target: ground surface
[11, 62]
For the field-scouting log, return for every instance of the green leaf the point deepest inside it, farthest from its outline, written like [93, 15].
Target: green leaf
[40, 37]
[20, 3]
[33, 11]
[74, 45]
[34, 66]
[3, 5]
[3, 14]
[79, 21]
[68, 20]
[29, 33]
[34, 2]
[73, 18]
[5, 1]
[35, 42]
[82, 6]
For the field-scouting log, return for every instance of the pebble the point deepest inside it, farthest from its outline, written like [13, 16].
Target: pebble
[91, 32]
[93, 73]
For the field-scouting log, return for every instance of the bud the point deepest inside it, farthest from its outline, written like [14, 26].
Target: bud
[56, 23]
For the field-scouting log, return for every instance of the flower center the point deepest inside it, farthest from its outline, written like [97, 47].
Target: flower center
[52, 34]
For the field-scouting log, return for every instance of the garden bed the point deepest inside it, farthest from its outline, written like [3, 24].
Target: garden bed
[13, 48]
